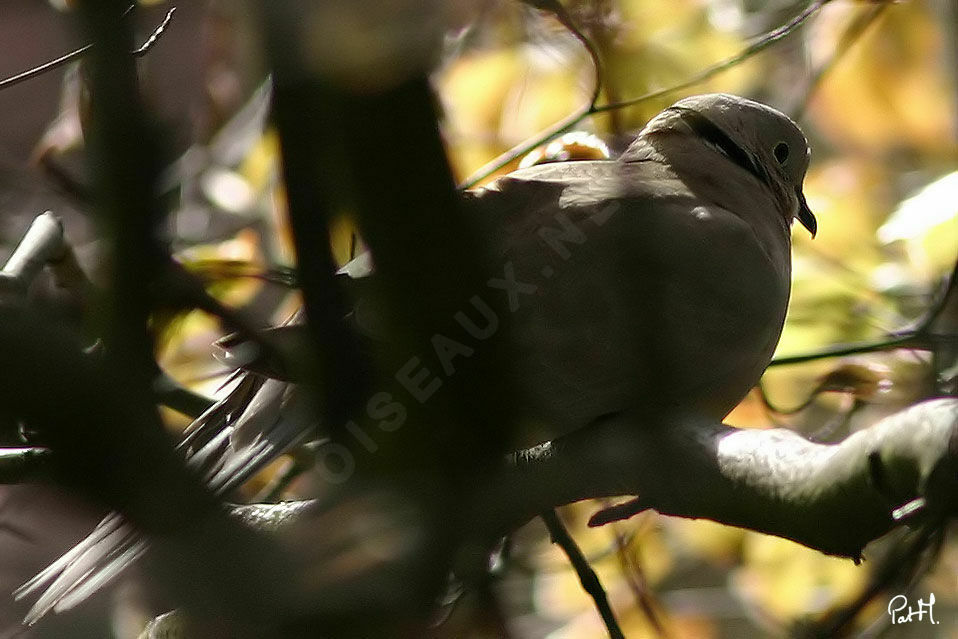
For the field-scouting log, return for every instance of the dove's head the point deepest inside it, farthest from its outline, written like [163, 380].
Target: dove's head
[761, 140]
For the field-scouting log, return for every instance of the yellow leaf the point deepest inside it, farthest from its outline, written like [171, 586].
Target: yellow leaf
[886, 92]
[788, 581]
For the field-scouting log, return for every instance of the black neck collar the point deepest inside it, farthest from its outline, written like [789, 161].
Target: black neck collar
[720, 141]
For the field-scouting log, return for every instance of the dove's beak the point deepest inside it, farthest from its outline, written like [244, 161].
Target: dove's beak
[805, 215]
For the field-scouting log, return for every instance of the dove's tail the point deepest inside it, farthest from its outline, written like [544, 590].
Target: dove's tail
[114, 544]
[90, 565]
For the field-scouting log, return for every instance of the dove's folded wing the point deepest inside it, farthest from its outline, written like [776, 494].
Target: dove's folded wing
[620, 281]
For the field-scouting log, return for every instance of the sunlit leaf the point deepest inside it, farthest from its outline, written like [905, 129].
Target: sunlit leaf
[927, 223]
[886, 92]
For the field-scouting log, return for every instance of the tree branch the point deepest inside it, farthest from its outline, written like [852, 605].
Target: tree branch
[858, 26]
[587, 577]
[929, 331]
[18, 465]
[303, 107]
[831, 497]
[76, 54]
[44, 244]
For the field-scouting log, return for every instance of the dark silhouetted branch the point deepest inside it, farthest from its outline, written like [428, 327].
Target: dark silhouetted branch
[587, 577]
[19, 465]
[303, 110]
[115, 446]
[170, 393]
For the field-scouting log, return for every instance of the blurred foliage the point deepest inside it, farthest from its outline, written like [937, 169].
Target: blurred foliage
[881, 109]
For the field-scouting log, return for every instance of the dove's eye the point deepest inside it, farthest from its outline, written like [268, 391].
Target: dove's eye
[781, 152]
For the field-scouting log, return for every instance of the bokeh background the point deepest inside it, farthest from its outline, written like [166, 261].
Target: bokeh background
[873, 85]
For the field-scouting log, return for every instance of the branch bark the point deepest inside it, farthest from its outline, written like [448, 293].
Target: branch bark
[44, 244]
[831, 497]
[587, 577]
[835, 498]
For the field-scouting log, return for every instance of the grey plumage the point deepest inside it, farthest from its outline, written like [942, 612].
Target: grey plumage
[656, 282]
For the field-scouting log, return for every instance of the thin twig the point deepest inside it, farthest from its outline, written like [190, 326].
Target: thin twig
[839, 350]
[157, 33]
[562, 15]
[760, 44]
[920, 335]
[603, 39]
[778, 410]
[635, 577]
[216, 269]
[183, 289]
[527, 567]
[29, 74]
[67, 58]
[895, 567]
[824, 386]
[587, 577]
[618, 512]
[855, 30]
[565, 19]
[944, 297]
[170, 393]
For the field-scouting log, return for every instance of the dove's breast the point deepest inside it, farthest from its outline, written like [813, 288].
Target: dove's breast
[629, 292]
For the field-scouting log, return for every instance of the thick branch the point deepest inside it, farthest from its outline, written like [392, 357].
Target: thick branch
[834, 498]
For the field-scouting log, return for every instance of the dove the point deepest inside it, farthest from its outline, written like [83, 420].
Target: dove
[655, 283]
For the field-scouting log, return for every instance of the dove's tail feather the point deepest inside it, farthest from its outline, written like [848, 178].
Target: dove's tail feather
[114, 545]
[100, 560]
